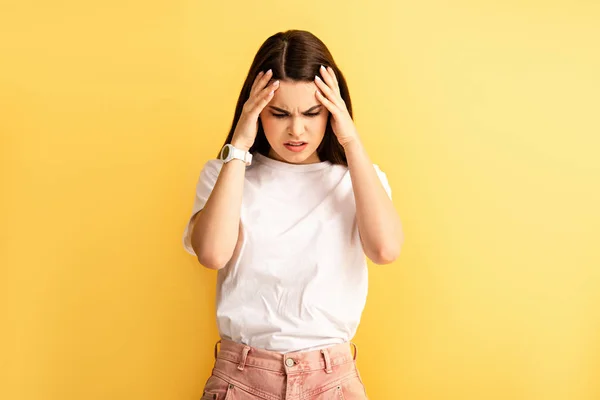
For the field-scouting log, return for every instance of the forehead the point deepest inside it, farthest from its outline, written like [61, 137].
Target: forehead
[293, 95]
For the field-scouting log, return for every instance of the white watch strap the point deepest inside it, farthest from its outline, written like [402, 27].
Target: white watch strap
[239, 154]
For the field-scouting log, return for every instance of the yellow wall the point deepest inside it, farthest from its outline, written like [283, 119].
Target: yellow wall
[484, 115]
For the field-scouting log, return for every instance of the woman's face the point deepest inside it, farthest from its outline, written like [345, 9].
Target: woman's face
[294, 114]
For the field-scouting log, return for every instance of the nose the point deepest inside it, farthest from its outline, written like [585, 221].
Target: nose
[297, 126]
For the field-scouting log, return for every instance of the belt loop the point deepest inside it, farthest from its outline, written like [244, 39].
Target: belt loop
[244, 356]
[327, 361]
[355, 350]
[216, 344]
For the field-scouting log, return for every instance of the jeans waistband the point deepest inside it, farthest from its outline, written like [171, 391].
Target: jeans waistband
[289, 363]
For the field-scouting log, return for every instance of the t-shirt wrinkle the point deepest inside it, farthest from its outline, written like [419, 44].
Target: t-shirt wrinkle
[300, 279]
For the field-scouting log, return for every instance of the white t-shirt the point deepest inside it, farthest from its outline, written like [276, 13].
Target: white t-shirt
[299, 280]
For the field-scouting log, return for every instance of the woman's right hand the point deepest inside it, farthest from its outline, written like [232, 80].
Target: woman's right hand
[247, 126]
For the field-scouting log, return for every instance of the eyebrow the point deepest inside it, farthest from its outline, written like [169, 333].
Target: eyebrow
[287, 112]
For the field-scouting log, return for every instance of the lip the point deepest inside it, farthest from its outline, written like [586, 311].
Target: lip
[296, 149]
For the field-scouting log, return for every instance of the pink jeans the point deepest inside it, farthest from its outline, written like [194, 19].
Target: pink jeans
[242, 373]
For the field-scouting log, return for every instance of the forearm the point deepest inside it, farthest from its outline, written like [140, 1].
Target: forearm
[216, 228]
[378, 222]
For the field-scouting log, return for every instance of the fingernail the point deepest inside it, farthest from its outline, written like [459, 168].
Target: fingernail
[276, 83]
[323, 67]
[317, 76]
[269, 71]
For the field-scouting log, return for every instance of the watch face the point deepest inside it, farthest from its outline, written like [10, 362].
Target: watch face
[226, 151]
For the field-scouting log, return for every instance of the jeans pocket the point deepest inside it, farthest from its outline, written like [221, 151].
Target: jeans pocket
[216, 389]
[209, 396]
[361, 381]
[353, 389]
[333, 393]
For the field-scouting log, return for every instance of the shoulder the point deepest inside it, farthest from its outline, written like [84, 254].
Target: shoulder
[380, 173]
[212, 167]
[210, 172]
[384, 180]
[378, 169]
[213, 164]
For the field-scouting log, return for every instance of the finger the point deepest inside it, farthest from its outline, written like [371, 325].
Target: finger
[332, 73]
[261, 82]
[328, 92]
[264, 97]
[255, 83]
[333, 109]
[329, 78]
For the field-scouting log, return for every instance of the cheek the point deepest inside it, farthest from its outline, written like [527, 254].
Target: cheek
[319, 124]
[270, 125]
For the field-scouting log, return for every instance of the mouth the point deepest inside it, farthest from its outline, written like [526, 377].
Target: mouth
[295, 143]
[295, 146]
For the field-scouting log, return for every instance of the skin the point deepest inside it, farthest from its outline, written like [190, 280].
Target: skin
[294, 114]
[379, 225]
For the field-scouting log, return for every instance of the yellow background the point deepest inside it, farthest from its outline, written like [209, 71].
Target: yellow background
[484, 115]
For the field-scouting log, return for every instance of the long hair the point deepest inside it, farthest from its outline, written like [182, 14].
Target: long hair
[294, 55]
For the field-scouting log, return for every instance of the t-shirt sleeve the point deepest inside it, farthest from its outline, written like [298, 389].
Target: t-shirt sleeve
[384, 181]
[206, 182]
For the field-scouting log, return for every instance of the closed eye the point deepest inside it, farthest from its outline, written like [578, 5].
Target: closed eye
[286, 115]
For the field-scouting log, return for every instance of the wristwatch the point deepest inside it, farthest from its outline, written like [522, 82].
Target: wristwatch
[229, 152]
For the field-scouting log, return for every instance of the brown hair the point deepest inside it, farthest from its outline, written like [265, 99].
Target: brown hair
[295, 55]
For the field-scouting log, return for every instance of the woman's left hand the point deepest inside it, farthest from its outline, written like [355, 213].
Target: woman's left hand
[329, 95]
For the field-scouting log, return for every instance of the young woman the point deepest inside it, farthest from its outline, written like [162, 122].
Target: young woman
[286, 214]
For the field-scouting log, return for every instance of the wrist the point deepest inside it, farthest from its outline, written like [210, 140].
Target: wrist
[352, 145]
[238, 145]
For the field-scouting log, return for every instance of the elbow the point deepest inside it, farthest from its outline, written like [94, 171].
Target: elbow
[212, 261]
[208, 255]
[389, 253]
[384, 258]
